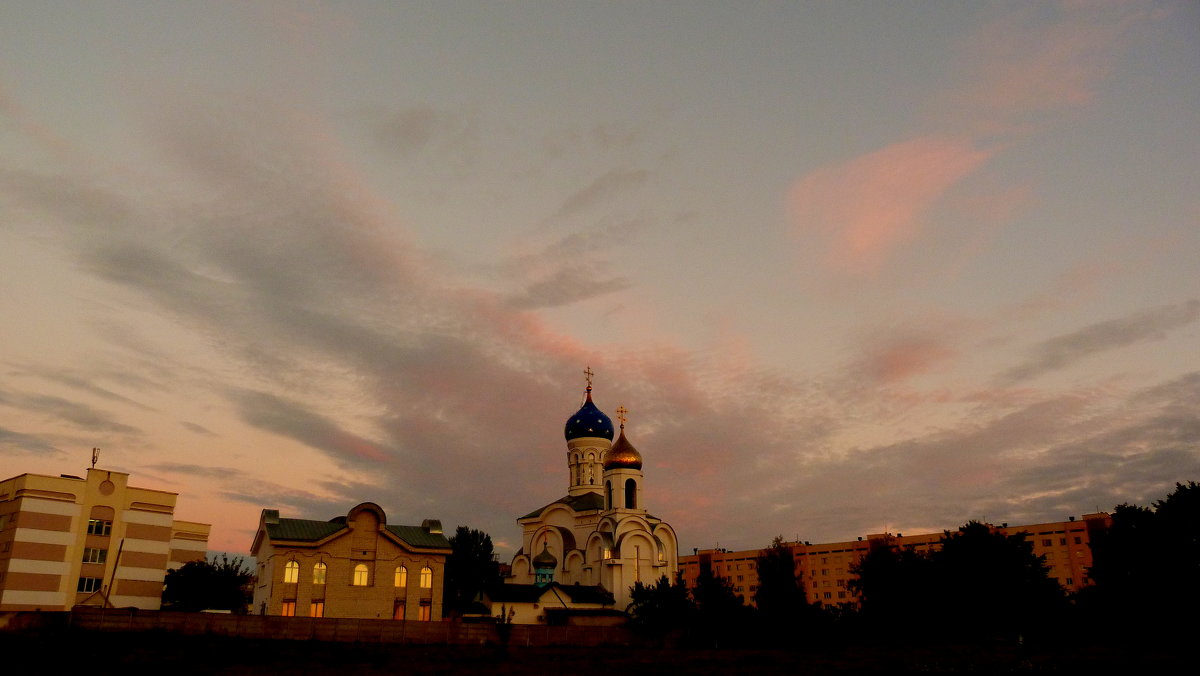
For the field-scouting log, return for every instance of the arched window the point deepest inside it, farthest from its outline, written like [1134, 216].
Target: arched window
[608, 495]
[630, 494]
[401, 577]
[291, 572]
[426, 577]
[361, 576]
[319, 573]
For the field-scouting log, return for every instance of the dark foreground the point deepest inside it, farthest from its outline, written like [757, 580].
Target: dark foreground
[169, 654]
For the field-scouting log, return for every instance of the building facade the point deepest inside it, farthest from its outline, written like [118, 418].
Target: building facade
[600, 533]
[350, 566]
[68, 540]
[827, 569]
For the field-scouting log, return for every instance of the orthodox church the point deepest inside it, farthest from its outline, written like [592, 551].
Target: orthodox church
[599, 534]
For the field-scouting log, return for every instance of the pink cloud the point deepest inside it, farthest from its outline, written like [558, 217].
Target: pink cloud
[905, 358]
[1022, 65]
[866, 208]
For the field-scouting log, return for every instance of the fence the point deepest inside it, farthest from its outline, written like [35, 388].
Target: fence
[318, 628]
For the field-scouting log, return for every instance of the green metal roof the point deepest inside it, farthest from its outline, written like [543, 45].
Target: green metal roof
[308, 530]
[419, 537]
[579, 503]
[302, 529]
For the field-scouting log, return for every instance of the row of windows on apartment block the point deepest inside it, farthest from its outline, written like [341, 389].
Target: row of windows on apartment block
[361, 577]
[316, 608]
[95, 526]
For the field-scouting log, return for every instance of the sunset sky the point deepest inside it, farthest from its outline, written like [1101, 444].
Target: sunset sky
[851, 266]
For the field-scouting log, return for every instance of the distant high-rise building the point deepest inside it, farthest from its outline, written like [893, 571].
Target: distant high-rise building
[67, 540]
[825, 570]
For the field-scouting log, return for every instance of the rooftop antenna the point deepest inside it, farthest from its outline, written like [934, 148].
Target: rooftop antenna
[95, 457]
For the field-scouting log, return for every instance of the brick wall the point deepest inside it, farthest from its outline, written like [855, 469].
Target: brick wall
[337, 629]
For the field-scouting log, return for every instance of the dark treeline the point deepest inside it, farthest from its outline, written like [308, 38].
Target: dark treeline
[979, 585]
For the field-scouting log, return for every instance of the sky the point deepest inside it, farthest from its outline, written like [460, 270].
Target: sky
[852, 267]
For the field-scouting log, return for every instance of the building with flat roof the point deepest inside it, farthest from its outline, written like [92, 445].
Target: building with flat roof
[95, 540]
[356, 565]
[825, 570]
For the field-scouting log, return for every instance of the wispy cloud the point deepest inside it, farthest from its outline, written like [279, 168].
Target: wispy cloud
[868, 207]
[1021, 65]
[222, 473]
[15, 443]
[1062, 351]
[605, 187]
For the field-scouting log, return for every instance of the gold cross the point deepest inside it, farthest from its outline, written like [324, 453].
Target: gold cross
[621, 411]
[588, 373]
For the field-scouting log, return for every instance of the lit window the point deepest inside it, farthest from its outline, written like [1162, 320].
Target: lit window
[398, 610]
[99, 527]
[426, 577]
[291, 572]
[1070, 580]
[425, 612]
[319, 571]
[401, 577]
[360, 575]
[88, 584]
[1047, 542]
[94, 555]
[316, 609]
[288, 609]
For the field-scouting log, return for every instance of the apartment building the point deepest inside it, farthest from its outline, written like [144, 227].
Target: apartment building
[826, 569]
[68, 540]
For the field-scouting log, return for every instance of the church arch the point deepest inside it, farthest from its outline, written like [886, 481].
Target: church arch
[573, 568]
[630, 494]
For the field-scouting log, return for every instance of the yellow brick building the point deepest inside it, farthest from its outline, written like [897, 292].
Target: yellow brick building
[825, 570]
[355, 566]
[68, 540]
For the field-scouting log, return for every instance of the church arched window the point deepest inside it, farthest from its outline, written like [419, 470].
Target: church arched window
[361, 575]
[426, 577]
[401, 577]
[319, 573]
[630, 494]
[291, 572]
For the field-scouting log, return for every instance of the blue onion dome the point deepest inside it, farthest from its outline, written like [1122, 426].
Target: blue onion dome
[545, 559]
[622, 455]
[589, 421]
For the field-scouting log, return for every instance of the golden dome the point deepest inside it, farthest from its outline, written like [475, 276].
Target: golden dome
[622, 455]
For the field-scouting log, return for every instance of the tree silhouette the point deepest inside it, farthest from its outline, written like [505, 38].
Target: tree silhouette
[661, 607]
[216, 584]
[471, 568]
[784, 613]
[979, 583]
[894, 586]
[1146, 565]
[721, 618]
[989, 583]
